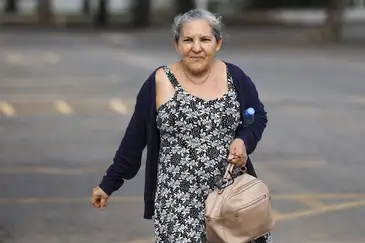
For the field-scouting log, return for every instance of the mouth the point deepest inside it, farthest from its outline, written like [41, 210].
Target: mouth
[196, 58]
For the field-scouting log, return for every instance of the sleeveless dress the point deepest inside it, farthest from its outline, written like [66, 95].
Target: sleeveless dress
[195, 139]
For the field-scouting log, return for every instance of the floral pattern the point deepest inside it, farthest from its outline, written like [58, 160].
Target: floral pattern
[195, 138]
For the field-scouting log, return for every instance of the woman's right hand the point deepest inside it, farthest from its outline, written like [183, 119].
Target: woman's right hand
[99, 198]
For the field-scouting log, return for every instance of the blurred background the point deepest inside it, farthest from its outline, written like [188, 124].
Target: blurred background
[69, 74]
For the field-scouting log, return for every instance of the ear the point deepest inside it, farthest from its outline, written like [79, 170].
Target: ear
[219, 44]
[175, 44]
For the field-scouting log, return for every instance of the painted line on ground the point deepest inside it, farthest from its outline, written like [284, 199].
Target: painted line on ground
[62, 107]
[143, 240]
[55, 200]
[51, 58]
[359, 198]
[279, 217]
[118, 106]
[47, 57]
[50, 170]
[117, 39]
[321, 210]
[7, 109]
[319, 196]
[291, 216]
[26, 82]
[14, 58]
[310, 202]
[34, 169]
[357, 100]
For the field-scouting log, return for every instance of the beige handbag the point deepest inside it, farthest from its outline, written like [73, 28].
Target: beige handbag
[239, 211]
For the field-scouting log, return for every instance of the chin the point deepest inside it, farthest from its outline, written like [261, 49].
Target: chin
[197, 67]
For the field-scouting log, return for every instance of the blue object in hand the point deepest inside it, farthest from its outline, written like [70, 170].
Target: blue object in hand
[248, 116]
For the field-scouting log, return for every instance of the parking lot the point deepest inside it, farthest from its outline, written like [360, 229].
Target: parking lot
[66, 98]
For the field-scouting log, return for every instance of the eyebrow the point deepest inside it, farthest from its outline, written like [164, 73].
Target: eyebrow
[204, 36]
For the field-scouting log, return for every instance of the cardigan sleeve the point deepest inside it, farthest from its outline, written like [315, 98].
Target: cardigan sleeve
[252, 133]
[127, 159]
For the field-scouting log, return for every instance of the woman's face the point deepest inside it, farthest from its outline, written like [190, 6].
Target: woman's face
[197, 45]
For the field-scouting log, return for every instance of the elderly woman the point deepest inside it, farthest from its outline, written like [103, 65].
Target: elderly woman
[189, 115]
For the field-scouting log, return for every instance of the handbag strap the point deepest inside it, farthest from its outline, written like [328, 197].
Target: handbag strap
[229, 171]
[228, 178]
[228, 174]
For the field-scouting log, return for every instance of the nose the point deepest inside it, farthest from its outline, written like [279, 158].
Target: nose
[196, 46]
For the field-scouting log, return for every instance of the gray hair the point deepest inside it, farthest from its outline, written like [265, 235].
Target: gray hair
[214, 20]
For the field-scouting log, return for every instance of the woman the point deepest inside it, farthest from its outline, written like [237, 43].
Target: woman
[189, 114]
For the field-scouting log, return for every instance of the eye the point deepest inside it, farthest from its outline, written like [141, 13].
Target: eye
[187, 40]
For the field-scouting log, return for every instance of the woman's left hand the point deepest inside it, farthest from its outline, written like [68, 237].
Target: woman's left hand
[237, 153]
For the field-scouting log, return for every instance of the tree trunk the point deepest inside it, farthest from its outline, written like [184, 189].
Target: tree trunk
[183, 6]
[11, 6]
[102, 16]
[333, 26]
[86, 7]
[45, 12]
[141, 13]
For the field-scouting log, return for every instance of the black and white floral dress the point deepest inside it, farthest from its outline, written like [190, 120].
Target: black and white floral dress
[195, 138]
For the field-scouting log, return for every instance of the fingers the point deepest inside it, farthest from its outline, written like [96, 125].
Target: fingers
[239, 159]
[97, 200]
[103, 203]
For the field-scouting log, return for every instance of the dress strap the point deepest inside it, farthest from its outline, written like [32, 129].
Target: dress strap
[229, 79]
[171, 77]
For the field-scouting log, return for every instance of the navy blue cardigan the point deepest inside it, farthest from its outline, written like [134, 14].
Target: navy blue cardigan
[142, 131]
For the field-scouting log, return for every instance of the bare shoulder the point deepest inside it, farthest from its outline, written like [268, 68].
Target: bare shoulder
[160, 73]
[164, 89]
[161, 77]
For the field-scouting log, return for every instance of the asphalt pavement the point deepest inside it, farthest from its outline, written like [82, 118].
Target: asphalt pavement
[66, 99]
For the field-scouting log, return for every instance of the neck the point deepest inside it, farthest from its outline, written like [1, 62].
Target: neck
[199, 77]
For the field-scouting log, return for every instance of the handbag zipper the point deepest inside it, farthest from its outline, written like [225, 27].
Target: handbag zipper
[251, 203]
[248, 185]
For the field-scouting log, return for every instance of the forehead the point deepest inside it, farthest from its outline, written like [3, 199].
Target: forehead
[196, 27]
